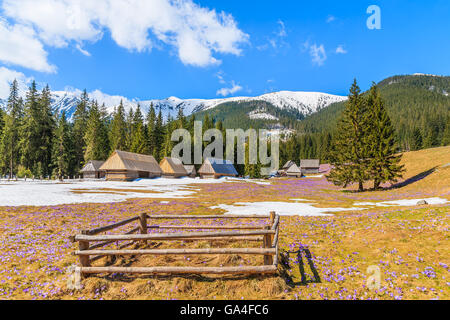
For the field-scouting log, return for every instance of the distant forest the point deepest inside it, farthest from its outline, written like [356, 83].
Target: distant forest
[419, 107]
[35, 141]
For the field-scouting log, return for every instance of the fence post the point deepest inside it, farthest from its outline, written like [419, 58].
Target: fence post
[272, 218]
[143, 224]
[267, 243]
[84, 245]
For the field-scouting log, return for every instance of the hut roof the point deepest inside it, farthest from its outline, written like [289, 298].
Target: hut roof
[176, 165]
[309, 163]
[189, 168]
[122, 160]
[92, 166]
[288, 165]
[293, 169]
[221, 166]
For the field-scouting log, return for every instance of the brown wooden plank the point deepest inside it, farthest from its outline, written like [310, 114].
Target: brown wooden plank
[111, 226]
[183, 270]
[222, 216]
[112, 252]
[170, 236]
[187, 227]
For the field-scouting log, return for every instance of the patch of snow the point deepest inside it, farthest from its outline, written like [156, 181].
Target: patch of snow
[405, 202]
[281, 208]
[255, 115]
[42, 193]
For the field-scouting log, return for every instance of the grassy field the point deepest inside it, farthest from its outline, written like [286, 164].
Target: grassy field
[410, 245]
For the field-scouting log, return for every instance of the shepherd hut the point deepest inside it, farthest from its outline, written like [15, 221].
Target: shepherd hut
[92, 170]
[310, 166]
[217, 168]
[127, 166]
[172, 168]
[290, 169]
[190, 169]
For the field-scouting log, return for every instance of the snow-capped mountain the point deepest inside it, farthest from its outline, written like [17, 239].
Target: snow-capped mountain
[305, 102]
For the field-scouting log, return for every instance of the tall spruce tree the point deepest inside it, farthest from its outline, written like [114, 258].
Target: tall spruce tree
[96, 136]
[46, 127]
[416, 140]
[349, 155]
[138, 139]
[80, 120]
[150, 127]
[446, 134]
[63, 149]
[30, 139]
[158, 136]
[118, 134]
[130, 129]
[383, 160]
[10, 130]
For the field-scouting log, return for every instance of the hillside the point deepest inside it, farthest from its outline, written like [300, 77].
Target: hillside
[414, 101]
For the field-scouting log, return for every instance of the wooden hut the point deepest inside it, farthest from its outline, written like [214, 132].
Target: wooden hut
[217, 168]
[290, 169]
[172, 168]
[92, 170]
[190, 169]
[310, 166]
[127, 166]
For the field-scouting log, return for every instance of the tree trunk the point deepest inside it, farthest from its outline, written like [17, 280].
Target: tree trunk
[361, 187]
[376, 185]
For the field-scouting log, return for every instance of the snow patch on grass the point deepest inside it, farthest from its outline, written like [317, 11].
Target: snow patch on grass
[281, 208]
[404, 202]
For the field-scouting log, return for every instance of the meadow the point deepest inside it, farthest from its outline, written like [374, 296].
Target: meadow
[409, 244]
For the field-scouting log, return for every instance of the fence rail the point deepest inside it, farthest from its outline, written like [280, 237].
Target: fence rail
[89, 242]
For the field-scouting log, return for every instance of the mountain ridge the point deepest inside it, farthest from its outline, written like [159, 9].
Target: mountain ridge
[304, 102]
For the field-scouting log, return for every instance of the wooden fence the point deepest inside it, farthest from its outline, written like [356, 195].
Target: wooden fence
[89, 242]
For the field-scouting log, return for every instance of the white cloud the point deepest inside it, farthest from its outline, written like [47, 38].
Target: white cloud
[331, 18]
[196, 33]
[317, 53]
[277, 38]
[229, 91]
[19, 46]
[340, 50]
[282, 31]
[7, 76]
[83, 51]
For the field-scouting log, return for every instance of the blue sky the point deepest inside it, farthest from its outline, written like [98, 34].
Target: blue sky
[257, 47]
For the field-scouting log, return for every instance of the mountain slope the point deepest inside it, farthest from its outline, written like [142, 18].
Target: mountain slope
[413, 101]
[304, 103]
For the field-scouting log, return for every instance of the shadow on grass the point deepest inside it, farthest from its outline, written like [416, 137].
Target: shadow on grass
[413, 179]
[284, 264]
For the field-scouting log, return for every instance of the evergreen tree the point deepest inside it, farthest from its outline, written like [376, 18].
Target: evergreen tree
[446, 134]
[30, 139]
[80, 120]
[63, 149]
[150, 129]
[10, 130]
[138, 140]
[383, 161]
[181, 119]
[417, 140]
[129, 129]
[46, 127]
[96, 136]
[349, 154]
[158, 136]
[118, 134]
